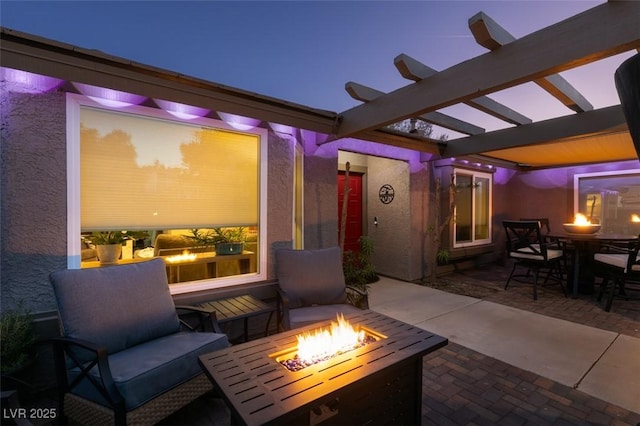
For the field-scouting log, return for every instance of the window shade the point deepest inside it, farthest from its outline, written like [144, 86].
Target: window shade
[140, 172]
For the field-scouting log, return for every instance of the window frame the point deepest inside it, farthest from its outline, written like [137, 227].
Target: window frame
[73, 104]
[611, 173]
[474, 242]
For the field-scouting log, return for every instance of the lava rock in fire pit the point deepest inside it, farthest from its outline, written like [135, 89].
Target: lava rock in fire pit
[297, 364]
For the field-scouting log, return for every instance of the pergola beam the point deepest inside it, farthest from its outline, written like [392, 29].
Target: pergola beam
[367, 94]
[598, 33]
[492, 36]
[412, 69]
[600, 121]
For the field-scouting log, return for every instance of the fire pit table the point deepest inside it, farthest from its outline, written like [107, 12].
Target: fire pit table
[379, 383]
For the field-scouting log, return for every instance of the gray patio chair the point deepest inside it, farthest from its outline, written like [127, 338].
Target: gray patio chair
[312, 287]
[528, 248]
[124, 355]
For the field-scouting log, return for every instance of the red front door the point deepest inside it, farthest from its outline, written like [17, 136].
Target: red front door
[353, 229]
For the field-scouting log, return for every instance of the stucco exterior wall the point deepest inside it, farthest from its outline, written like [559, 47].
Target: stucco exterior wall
[33, 211]
[542, 193]
[279, 198]
[391, 237]
[419, 209]
[320, 201]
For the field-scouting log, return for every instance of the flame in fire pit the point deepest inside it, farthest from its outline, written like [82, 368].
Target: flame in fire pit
[581, 219]
[324, 343]
[340, 337]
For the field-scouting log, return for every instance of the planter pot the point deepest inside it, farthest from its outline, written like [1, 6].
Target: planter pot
[223, 249]
[109, 254]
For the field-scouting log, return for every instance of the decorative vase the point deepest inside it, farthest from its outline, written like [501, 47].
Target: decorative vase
[109, 254]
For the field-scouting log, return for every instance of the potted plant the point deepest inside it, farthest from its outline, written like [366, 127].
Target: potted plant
[225, 240]
[359, 270]
[108, 245]
[17, 342]
[230, 240]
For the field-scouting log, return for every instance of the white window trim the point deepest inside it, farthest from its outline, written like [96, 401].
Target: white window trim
[474, 242]
[74, 102]
[578, 176]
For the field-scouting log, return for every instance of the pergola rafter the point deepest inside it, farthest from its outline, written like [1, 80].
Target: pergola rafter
[492, 36]
[367, 94]
[598, 33]
[412, 69]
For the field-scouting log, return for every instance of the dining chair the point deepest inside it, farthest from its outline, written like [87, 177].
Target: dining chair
[528, 248]
[620, 267]
[311, 287]
[545, 227]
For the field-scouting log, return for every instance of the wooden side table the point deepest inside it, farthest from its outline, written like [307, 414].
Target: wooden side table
[239, 307]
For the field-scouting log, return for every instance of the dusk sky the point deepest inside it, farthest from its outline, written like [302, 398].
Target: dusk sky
[305, 51]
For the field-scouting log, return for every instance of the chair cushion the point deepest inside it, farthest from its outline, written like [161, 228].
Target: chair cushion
[529, 254]
[117, 306]
[312, 314]
[617, 260]
[145, 371]
[311, 277]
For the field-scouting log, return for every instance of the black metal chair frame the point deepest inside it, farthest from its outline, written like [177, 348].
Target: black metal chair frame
[527, 246]
[545, 227]
[626, 279]
[65, 358]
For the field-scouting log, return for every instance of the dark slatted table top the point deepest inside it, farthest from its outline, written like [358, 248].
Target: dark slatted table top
[238, 307]
[260, 389]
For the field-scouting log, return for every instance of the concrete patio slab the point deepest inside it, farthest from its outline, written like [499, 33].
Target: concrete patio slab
[553, 348]
[616, 376]
[412, 303]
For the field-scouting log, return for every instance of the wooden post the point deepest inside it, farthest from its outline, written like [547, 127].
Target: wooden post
[345, 200]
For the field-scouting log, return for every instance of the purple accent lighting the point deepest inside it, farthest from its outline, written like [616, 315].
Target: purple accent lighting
[376, 149]
[502, 176]
[185, 112]
[282, 130]
[109, 97]
[26, 82]
[239, 122]
[545, 179]
[607, 167]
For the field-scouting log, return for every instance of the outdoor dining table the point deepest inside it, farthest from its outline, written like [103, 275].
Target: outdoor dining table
[584, 246]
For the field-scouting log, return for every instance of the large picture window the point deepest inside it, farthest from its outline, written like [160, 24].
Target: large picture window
[611, 199]
[472, 224]
[175, 189]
